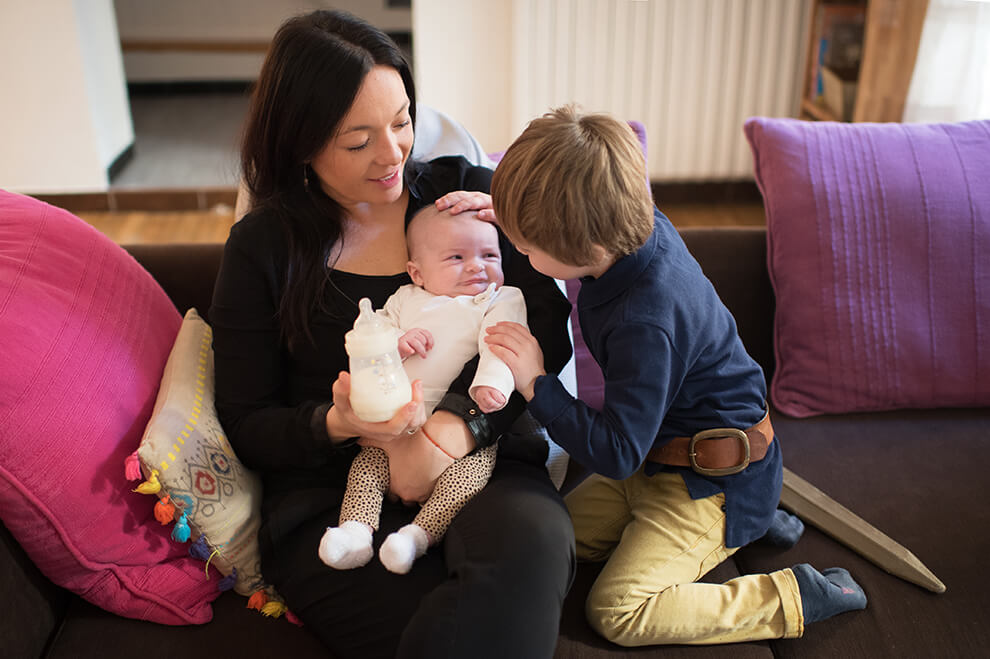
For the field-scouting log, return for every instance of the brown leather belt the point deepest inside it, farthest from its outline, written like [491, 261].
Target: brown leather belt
[717, 452]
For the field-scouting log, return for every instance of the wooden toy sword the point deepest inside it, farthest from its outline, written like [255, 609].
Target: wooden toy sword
[821, 511]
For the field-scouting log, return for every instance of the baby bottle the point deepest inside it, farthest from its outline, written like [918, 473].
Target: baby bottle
[379, 386]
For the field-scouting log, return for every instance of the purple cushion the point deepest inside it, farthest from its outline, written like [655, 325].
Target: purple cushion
[878, 244]
[587, 372]
[85, 333]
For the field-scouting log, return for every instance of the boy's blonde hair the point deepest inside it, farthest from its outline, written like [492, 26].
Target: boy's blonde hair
[571, 181]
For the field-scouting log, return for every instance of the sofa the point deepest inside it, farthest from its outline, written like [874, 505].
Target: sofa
[880, 465]
[913, 467]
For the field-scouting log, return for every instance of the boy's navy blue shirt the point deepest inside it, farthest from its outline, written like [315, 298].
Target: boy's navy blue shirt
[673, 365]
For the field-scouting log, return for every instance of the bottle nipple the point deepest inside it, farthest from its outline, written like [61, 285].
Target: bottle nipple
[367, 318]
[371, 334]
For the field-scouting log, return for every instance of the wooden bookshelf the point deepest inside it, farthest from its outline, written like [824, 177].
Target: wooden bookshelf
[891, 34]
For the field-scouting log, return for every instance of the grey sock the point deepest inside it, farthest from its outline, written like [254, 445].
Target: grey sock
[827, 593]
[785, 530]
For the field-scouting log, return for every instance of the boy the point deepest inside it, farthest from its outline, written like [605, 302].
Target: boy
[662, 509]
[456, 268]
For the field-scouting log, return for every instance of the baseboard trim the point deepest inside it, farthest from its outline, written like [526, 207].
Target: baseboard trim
[143, 199]
[707, 192]
[172, 87]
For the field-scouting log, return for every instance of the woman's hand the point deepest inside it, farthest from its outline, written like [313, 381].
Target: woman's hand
[342, 422]
[468, 200]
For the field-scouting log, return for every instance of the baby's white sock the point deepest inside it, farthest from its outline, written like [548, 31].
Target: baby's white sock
[346, 546]
[403, 547]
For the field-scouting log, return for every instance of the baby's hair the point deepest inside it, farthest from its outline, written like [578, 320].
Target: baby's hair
[571, 181]
[416, 230]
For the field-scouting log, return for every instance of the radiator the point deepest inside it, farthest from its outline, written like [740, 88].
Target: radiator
[691, 70]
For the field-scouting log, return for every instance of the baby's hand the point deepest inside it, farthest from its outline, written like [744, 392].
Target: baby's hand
[489, 399]
[416, 341]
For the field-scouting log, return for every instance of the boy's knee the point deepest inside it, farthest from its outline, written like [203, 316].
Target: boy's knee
[618, 617]
[605, 617]
[607, 613]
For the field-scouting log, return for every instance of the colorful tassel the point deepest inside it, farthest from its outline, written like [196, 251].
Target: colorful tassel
[132, 467]
[165, 511]
[228, 581]
[273, 609]
[291, 617]
[200, 549]
[181, 531]
[257, 600]
[150, 486]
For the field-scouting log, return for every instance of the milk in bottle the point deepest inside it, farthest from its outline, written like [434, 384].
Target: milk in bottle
[379, 386]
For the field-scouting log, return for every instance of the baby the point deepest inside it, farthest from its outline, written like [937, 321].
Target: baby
[456, 268]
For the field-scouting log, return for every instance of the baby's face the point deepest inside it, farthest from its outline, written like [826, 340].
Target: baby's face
[457, 255]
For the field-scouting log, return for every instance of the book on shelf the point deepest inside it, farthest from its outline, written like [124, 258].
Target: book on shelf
[837, 49]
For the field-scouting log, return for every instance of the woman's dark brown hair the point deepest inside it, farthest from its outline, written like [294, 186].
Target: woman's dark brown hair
[311, 75]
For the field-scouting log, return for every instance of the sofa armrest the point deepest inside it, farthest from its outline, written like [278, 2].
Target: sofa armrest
[187, 271]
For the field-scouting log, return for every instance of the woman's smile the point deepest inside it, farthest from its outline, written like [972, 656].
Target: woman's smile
[390, 180]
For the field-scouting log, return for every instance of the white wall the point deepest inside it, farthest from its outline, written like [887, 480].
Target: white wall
[219, 22]
[99, 47]
[463, 54]
[65, 116]
[691, 71]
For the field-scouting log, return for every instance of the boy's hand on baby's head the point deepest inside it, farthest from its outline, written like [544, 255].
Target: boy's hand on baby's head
[488, 215]
[519, 349]
[467, 200]
[416, 341]
[489, 399]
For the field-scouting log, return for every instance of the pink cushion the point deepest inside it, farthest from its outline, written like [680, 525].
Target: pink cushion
[878, 244]
[85, 334]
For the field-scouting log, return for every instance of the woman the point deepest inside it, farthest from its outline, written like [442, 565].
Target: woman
[325, 158]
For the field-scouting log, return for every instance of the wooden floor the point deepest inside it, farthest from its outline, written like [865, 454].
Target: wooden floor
[212, 226]
[133, 227]
[715, 215]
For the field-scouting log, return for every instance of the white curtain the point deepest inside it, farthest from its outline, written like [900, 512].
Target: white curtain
[951, 80]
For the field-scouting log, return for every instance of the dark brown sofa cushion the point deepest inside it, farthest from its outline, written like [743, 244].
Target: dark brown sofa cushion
[186, 271]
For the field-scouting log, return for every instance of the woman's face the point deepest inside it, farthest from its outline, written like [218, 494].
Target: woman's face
[363, 162]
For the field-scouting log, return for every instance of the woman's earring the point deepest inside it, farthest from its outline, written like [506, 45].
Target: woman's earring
[306, 176]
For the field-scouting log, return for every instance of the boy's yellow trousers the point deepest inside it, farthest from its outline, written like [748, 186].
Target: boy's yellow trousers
[658, 542]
